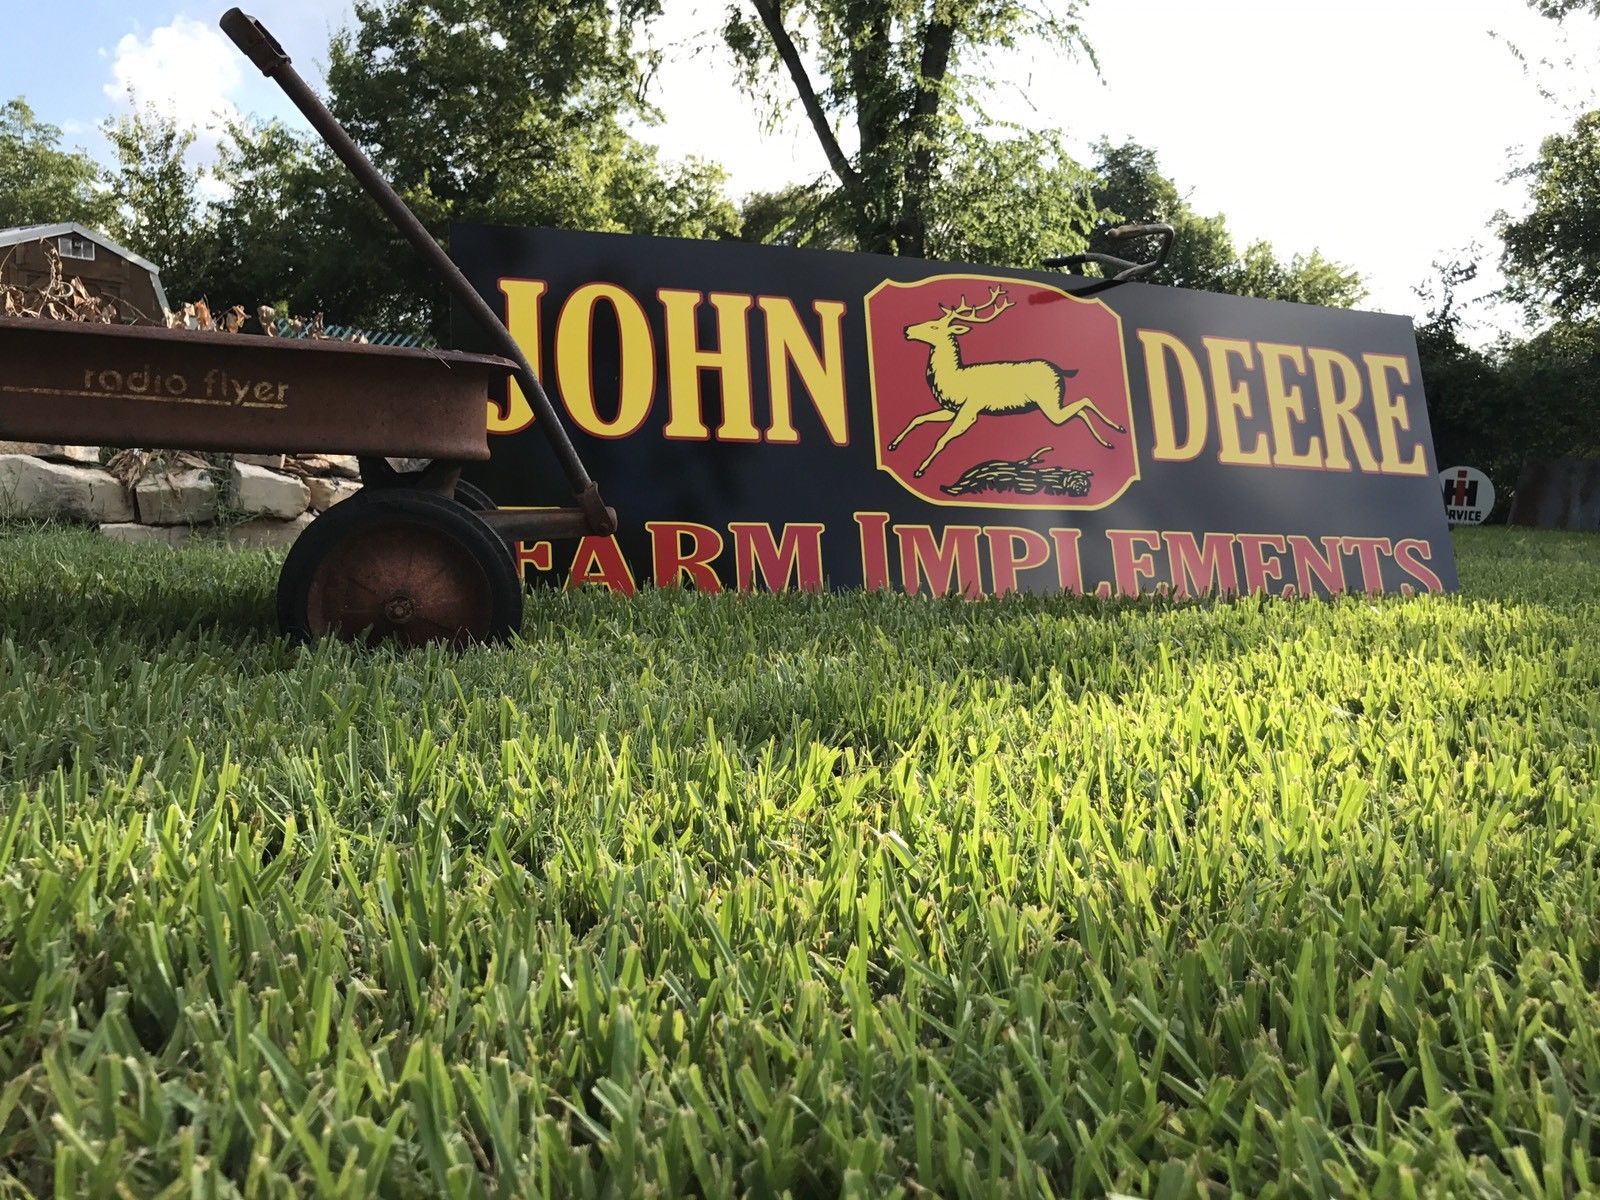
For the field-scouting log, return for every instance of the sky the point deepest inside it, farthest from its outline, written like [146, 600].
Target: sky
[1379, 131]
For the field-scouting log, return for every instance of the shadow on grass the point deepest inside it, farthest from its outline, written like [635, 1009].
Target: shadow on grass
[57, 582]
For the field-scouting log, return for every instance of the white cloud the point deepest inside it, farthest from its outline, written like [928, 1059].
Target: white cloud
[186, 69]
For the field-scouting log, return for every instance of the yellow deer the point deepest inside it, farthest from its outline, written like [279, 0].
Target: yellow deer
[966, 393]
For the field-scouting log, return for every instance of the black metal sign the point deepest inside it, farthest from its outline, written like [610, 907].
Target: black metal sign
[763, 417]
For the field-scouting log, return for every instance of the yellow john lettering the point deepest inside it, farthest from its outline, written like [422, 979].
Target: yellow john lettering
[686, 358]
[820, 370]
[523, 298]
[636, 379]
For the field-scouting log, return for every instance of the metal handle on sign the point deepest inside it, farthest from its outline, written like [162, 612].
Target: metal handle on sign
[1125, 269]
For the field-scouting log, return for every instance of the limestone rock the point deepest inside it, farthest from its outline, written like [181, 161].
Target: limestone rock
[264, 532]
[33, 488]
[344, 465]
[273, 462]
[187, 497]
[325, 493]
[147, 535]
[259, 492]
[87, 456]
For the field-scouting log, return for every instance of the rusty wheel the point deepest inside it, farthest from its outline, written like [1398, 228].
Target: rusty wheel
[400, 564]
[474, 497]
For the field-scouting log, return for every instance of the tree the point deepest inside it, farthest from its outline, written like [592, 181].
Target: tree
[1007, 200]
[1497, 408]
[1131, 188]
[1012, 200]
[1561, 8]
[496, 111]
[1302, 279]
[1552, 255]
[1464, 385]
[276, 236]
[810, 215]
[476, 110]
[159, 210]
[895, 73]
[40, 183]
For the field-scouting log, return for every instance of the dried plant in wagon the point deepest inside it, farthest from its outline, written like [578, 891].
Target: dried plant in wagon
[63, 299]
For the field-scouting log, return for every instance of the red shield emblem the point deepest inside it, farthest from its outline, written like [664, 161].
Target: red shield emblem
[999, 393]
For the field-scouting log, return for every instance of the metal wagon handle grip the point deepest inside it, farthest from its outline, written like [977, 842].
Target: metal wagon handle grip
[252, 37]
[258, 45]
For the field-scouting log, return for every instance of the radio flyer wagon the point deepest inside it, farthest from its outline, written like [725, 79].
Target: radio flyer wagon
[416, 556]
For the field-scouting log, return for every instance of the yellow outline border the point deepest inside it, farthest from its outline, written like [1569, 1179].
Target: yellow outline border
[872, 385]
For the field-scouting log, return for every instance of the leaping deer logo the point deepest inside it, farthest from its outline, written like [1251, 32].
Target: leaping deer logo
[966, 392]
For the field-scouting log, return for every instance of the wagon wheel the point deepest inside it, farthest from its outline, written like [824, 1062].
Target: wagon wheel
[381, 473]
[402, 564]
[474, 497]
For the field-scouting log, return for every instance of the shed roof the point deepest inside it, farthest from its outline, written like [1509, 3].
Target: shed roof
[34, 233]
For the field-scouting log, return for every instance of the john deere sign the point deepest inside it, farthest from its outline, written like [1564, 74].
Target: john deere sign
[762, 417]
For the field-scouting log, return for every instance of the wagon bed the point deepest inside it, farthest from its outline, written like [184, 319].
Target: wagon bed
[121, 385]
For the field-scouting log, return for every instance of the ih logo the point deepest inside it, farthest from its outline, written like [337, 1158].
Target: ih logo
[1020, 401]
[1461, 492]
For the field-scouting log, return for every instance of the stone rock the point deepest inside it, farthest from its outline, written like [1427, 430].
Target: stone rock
[33, 488]
[273, 462]
[264, 532]
[325, 493]
[187, 497]
[148, 535]
[345, 465]
[259, 492]
[87, 456]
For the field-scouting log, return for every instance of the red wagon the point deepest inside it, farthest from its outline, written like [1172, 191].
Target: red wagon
[416, 556]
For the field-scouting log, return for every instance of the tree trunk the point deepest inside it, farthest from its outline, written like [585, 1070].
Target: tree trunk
[937, 42]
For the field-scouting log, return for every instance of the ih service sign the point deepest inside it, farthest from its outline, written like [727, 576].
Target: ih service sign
[1468, 495]
[763, 417]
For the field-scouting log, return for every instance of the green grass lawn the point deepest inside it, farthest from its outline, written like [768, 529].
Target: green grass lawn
[807, 895]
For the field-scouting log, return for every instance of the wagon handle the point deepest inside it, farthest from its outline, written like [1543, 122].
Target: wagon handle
[251, 36]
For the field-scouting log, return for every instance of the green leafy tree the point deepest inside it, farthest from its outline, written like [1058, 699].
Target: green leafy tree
[40, 183]
[1130, 187]
[1301, 279]
[810, 215]
[1561, 8]
[159, 209]
[1552, 391]
[1464, 385]
[903, 78]
[279, 237]
[1010, 200]
[495, 111]
[1521, 399]
[1552, 255]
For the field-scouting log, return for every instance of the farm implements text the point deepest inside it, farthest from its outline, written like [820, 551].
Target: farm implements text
[976, 560]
